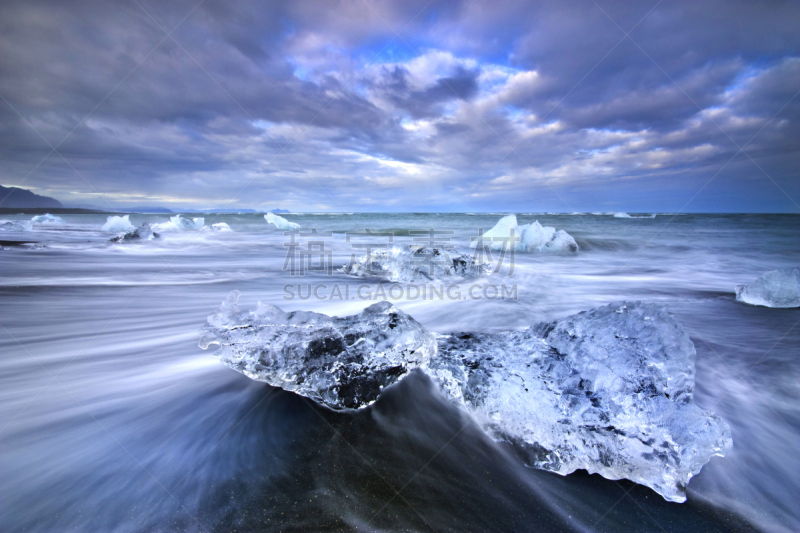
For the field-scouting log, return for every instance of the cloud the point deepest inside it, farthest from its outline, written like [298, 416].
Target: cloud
[400, 104]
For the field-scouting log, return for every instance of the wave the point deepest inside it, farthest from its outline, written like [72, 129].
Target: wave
[605, 243]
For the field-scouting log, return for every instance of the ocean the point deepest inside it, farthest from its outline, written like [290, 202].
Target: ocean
[113, 419]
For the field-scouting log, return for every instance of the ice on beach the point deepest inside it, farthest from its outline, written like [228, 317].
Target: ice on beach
[779, 288]
[217, 227]
[15, 225]
[280, 222]
[142, 233]
[528, 237]
[178, 223]
[343, 363]
[608, 390]
[410, 263]
[117, 224]
[48, 220]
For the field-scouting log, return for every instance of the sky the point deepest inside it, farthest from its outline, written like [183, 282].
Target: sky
[447, 106]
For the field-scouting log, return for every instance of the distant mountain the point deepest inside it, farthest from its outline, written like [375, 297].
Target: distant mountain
[279, 211]
[16, 197]
[91, 207]
[229, 211]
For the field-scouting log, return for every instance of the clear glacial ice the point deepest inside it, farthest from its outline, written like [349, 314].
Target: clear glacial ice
[528, 237]
[415, 262]
[779, 288]
[117, 224]
[608, 390]
[142, 233]
[48, 220]
[15, 225]
[217, 228]
[178, 223]
[280, 222]
[343, 363]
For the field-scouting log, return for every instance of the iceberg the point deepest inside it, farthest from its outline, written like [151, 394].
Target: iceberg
[178, 223]
[217, 227]
[343, 363]
[608, 390]
[118, 224]
[779, 288]
[414, 262]
[142, 233]
[280, 222]
[48, 220]
[529, 237]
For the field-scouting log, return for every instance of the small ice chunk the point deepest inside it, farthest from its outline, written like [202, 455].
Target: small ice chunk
[280, 222]
[528, 237]
[626, 215]
[217, 227]
[343, 363]
[608, 390]
[117, 224]
[178, 223]
[15, 225]
[142, 233]
[409, 263]
[779, 288]
[48, 220]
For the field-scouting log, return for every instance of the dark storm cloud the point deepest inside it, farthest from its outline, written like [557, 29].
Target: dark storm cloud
[483, 105]
[427, 102]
